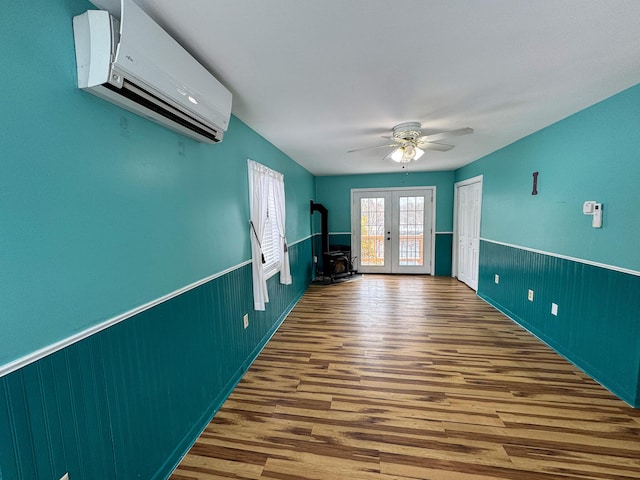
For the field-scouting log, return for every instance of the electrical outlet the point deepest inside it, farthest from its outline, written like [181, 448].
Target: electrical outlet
[315, 259]
[245, 320]
[530, 295]
[65, 476]
[496, 278]
[554, 309]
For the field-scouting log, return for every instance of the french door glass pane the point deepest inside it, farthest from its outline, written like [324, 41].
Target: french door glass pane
[411, 243]
[372, 231]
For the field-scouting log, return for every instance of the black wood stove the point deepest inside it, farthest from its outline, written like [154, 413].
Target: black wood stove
[337, 261]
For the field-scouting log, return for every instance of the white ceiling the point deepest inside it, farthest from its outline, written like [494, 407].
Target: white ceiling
[318, 78]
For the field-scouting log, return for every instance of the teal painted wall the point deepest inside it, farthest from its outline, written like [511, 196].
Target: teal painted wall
[592, 155]
[597, 325]
[102, 210]
[444, 251]
[334, 192]
[129, 401]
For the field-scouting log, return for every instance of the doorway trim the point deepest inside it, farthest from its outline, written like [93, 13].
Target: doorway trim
[456, 185]
[432, 236]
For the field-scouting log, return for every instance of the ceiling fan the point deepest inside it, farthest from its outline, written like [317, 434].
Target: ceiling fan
[409, 143]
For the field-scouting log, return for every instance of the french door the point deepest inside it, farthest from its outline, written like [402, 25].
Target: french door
[468, 203]
[392, 230]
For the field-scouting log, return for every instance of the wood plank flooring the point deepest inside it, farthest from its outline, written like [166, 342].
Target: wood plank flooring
[411, 377]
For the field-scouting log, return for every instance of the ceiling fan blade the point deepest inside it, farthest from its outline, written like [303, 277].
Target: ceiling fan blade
[441, 147]
[451, 133]
[369, 148]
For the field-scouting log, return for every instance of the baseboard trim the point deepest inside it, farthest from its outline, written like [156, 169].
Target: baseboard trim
[190, 439]
[583, 366]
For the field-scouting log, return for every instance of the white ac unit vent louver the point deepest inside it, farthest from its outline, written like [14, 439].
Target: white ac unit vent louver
[134, 63]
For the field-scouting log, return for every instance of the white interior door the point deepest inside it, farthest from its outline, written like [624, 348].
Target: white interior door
[467, 226]
[392, 230]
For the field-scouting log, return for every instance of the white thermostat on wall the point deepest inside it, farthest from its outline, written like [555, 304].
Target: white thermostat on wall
[587, 208]
[591, 207]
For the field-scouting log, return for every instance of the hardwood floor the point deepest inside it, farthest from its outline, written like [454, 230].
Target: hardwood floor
[411, 377]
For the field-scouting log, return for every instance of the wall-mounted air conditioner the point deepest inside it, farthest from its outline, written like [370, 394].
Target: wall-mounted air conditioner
[131, 61]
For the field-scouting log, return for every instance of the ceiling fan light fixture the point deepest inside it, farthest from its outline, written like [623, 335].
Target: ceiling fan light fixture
[397, 154]
[406, 154]
[410, 142]
[409, 153]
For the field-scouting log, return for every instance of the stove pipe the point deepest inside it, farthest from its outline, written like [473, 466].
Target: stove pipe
[324, 229]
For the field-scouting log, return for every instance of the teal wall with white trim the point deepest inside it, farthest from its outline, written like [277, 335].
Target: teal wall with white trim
[334, 192]
[101, 212]
[129, 401]
[592, 155]
[597, 325]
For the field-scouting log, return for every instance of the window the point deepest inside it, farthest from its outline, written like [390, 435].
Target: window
[269, 251]
[271, 238]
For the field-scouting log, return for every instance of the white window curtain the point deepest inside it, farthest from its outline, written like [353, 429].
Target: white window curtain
[281, 219]
[258, 191]
[262, 181]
